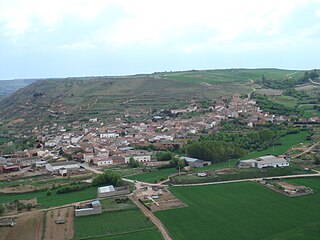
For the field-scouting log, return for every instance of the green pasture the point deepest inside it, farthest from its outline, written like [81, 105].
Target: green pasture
[154, 175]
[244, 211]
[54, 199]
[143, 234]
[116, 225]
[287, 142]
[247, 173]
[229, 75]
[287, 101]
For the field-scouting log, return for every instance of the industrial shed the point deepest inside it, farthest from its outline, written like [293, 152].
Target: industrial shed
[196, 163]
[89, 208]
[108, 191]
[265, 161]
[62, 166]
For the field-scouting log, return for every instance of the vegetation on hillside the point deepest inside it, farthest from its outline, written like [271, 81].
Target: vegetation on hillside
[289, 81]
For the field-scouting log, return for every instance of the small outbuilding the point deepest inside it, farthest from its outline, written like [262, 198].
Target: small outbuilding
[108, 191]
[89, 208]
[195, 162]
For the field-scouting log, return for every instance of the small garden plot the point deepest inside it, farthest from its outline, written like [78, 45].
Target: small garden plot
[287, 188]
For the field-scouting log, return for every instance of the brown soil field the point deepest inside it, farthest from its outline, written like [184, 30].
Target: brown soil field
[28, 226]
[18, 189]
[56, 231]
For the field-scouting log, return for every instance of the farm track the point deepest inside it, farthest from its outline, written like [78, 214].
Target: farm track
[152, 217]
[308, 150]
[249, 179]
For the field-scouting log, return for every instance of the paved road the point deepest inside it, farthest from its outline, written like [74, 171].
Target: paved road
[152, 217]
[249, 179]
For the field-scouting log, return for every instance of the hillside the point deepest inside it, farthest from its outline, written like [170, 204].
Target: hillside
[8, 87]
[107, 97]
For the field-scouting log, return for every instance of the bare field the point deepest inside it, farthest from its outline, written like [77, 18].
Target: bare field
[56, 231]
[29, 226]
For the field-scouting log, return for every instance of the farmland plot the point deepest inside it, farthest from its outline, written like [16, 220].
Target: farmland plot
[114, 223]
[29, 226]
[244, 211]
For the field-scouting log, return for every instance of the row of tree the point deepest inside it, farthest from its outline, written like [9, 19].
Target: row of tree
[214, 151]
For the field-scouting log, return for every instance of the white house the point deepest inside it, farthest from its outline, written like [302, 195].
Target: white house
[139, 158]
[109, 135]
[102, 161]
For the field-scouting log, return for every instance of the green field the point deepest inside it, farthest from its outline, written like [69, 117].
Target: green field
[247, 173]
[287, 142]
[145, 234]
[152, 176]
[244, 211]
[125, 224]
[229, 75]
[54, 199]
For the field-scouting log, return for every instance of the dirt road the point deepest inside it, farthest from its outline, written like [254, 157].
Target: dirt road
[249, 179]
[308, 150]
[152, 217]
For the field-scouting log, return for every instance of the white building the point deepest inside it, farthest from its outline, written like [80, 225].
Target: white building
[271, 161]
[139, 158]
[266, 161]
[109, 135]
[56, 166]
[102, 161]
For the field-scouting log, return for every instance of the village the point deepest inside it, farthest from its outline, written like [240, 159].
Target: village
[66, 159]
[101, 144]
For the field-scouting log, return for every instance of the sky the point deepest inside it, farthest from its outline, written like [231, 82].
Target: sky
[65, 38]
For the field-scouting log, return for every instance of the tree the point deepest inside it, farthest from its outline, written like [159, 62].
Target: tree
[1, 209]
[107, 178]
[317, 160]
[133, 163]
[164, 156]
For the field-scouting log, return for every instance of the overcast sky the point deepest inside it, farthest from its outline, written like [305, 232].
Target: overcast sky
[59, 38]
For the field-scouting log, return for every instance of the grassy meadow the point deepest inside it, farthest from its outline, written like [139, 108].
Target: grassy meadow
[287, 142]
[54, 199]
[151, 177]
[244, 211]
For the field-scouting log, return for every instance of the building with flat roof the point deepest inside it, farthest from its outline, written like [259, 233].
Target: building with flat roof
[89, 208]
[65, 165]
[108, 191]
[195, 162]
[265, 161]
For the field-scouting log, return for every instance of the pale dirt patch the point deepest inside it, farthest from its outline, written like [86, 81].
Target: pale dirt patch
[19, 189]
[56, 231]
[165, 200]
[29, 226]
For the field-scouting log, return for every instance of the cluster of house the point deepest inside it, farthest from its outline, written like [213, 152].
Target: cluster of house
[103, 145]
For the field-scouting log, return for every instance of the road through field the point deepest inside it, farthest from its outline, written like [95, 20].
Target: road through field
[152, 217]
[249, 179]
